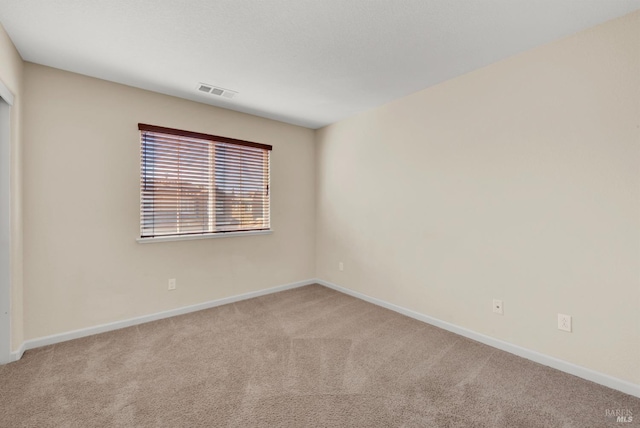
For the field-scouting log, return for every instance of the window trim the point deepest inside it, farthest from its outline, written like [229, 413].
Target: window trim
[201, 136]
[142, 127]
[168, 238]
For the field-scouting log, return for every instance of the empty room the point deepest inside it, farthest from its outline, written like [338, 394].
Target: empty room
[305, 213]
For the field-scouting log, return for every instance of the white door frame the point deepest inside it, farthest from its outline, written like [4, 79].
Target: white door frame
[6, 101]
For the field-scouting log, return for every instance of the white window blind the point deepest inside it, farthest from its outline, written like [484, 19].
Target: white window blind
[193, 183]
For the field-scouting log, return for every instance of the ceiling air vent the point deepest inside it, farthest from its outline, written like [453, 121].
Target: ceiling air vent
[214, 90]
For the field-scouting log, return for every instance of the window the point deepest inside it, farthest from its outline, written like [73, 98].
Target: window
[196, 184]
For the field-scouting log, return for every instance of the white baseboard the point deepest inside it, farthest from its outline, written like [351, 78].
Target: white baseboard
[116, 325]
[582, 372]
[17, 354]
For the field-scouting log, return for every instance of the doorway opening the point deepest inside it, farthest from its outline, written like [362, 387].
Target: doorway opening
[6, 100]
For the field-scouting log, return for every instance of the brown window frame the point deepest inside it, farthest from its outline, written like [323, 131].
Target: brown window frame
[240, 224]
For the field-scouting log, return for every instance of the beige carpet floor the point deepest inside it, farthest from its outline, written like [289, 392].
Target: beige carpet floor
[308, 357]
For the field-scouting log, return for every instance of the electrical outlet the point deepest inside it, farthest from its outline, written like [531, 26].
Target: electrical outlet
[172, 284]
[564, 322]
[498, 308]
[340, 266]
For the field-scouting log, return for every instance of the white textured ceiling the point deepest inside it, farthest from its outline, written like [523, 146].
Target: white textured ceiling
[306, 62]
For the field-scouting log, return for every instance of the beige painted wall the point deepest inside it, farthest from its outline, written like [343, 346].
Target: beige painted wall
[83, 266]
[519, 181]
[11, 71]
